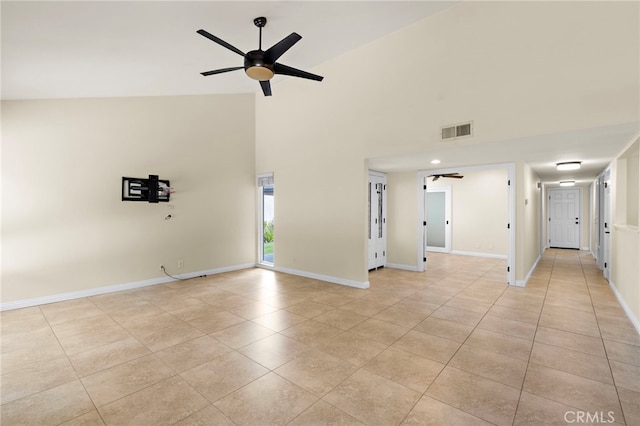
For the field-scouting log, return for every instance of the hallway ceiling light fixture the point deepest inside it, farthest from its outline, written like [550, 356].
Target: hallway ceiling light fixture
[568, 183]
[435, 161]
[569, 165]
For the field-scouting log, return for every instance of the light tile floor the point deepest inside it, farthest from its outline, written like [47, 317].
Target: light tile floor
[453, 345]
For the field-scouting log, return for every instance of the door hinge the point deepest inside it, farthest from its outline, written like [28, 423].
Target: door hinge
[508, 269]
[376, 255]
[425, 223]
[424, 187]
[549, 219]
[509, 182]
[384, 253]
[508, 226]
[605, 264]
[606, 185]
[424, 259]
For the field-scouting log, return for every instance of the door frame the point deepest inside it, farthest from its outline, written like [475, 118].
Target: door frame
[604, 223]
[580, 195]
[511, 191]
[447, 217]
[260, 218]
[375, 177]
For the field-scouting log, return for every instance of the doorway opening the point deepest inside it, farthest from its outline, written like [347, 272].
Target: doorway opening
[266, 216]
[377, 232]
[470, 238]
[438, 217]
[564, 218]
[603, 223]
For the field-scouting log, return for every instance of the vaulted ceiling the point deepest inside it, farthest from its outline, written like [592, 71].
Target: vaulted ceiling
[78, 49]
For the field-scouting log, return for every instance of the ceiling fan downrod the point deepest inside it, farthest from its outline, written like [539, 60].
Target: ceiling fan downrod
[260, 22]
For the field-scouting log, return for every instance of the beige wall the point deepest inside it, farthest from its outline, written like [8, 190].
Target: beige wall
[527, 221]
[315, 137]
[64, 227]
[402, 220]
[625, 236]
[479, 211]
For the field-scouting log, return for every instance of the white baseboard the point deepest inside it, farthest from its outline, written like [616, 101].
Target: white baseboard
[479, 254]
[334, 280]
[625, 307]
[403, 267]
[523, 283]
[113, 288]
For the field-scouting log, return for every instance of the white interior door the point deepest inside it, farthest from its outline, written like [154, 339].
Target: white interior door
[564, 218]
[377, 220]
[438, 218]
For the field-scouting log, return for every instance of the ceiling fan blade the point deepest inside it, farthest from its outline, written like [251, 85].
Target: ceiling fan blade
[435, 178]
[220, 71]
[266, 87]
[293, 72]
[220, 42]
[455, 176]
[274, 52]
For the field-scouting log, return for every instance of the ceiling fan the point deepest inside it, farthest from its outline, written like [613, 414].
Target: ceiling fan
[446, 175]
[261, 64]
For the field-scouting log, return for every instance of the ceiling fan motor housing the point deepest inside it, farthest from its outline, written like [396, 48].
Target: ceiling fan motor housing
[255, 66]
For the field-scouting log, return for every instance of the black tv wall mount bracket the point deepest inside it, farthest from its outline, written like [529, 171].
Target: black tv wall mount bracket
[149, 189]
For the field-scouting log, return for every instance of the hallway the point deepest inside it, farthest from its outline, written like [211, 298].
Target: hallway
[452, 345]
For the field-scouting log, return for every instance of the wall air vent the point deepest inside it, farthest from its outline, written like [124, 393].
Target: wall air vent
[456, 131]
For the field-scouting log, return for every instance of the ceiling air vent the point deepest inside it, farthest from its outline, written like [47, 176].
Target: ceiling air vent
[456, 131]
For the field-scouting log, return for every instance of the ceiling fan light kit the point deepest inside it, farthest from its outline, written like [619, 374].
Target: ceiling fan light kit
[261, 64]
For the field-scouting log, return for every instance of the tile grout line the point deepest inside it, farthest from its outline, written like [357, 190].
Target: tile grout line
[533, 341]
[454, 354]
[615, 386]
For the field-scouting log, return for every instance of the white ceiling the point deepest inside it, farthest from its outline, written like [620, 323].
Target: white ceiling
[74, 49]
[77, 49]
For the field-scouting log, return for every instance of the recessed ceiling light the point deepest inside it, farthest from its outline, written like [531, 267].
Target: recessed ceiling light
[436, 161]
[568, 183]
[569, 165]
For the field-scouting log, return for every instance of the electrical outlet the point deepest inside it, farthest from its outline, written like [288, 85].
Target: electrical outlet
[180, 263]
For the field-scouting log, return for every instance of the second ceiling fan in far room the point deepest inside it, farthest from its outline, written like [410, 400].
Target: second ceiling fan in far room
[446, 175]
[261, 64]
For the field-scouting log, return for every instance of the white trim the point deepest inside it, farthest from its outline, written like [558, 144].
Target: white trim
[376, 173]
[412, 268]
[625, 307]
[523, 283]
[479, 254]
[113, 288]
[421, 230]
[327, 278]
